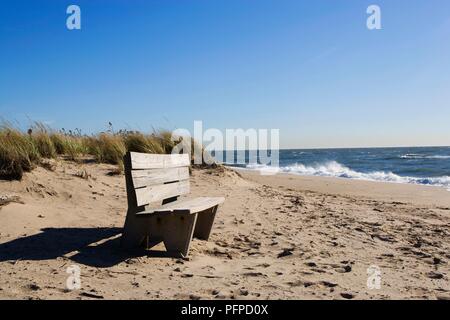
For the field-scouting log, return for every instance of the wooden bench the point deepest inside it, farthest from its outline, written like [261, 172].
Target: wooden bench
[155, 214]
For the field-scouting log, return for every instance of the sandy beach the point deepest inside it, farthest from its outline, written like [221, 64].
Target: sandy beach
[275, 237]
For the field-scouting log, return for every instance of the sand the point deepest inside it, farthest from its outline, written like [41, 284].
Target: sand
[275, 237]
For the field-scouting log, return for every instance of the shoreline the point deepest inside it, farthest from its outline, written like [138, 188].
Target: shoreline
[378, 190]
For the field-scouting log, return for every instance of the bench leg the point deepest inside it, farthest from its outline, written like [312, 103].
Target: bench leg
[205, 222]
[134, 231]
[175, 230]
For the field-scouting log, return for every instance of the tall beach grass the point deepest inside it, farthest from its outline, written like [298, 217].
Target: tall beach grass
[22, 151]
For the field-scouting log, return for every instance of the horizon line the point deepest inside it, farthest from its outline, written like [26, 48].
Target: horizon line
[334, 148]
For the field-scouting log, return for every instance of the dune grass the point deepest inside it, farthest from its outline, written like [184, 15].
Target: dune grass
[22, 151]
[18, 153]
[69, 146]
[106, 148]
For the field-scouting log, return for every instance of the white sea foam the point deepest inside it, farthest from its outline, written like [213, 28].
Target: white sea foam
[335, 169]
[421, 156]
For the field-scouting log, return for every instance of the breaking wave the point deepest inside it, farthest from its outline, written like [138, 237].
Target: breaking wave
[421, 156]
[335, 169]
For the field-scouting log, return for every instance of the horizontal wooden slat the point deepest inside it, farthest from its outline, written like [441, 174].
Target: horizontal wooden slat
[154, 193]
[158, 161]
[143, 178]
[190, 205]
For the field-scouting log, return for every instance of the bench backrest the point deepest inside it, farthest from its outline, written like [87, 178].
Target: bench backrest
[155, 177]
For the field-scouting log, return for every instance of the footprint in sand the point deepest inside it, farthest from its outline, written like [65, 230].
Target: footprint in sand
[285, 253]
[347, 295]
[329, 284]
[435, 275]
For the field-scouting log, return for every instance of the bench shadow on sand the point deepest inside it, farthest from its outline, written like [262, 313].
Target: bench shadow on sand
[96, 247]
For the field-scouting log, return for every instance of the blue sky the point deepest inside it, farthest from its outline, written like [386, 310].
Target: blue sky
[310, 68]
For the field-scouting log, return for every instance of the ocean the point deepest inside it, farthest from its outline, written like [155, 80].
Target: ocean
[418, 165]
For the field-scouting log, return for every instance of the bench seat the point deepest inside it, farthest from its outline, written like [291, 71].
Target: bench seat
[185, 206]
[156, 212]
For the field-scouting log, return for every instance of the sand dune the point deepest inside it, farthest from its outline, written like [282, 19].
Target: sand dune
[274, 238]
